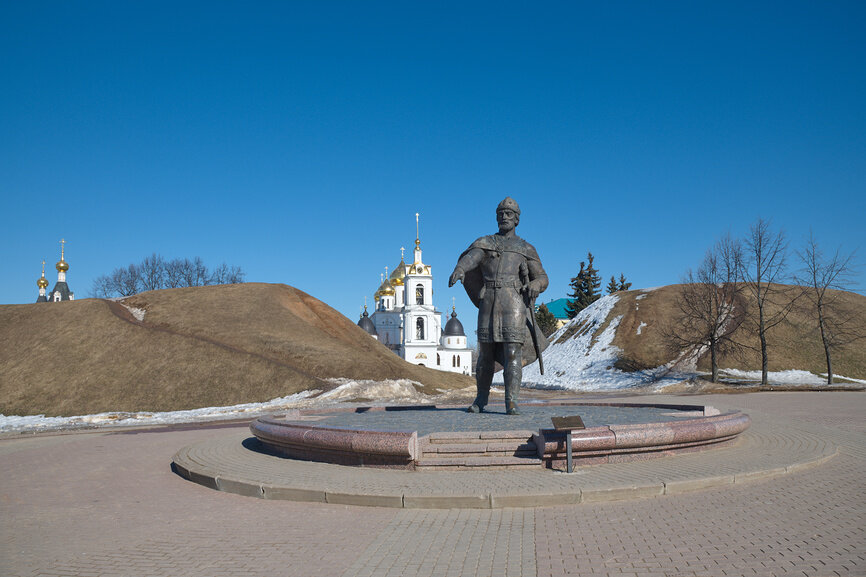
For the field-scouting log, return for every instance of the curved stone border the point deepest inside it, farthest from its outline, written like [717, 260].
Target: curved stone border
[595, 445]
[622, 443]
[334, 445]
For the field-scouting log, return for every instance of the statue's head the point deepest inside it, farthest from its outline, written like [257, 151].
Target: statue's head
[507, 214]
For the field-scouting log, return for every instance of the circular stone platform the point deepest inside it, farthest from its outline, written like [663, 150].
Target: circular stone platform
[440, 437]
[235, 462]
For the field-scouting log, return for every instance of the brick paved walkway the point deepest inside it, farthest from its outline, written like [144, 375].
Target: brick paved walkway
[108, 504]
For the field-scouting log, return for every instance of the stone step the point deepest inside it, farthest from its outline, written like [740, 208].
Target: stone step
[470, 450]
[479, 448]
[481, 437]
[476, 462]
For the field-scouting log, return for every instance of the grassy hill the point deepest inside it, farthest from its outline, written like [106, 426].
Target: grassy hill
[620, 340]
[793, 344]
[195, 347]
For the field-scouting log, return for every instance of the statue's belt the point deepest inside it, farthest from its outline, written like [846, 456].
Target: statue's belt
[503, 284]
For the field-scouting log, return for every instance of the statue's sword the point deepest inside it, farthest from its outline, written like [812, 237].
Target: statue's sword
[531, 306]
[535, 338]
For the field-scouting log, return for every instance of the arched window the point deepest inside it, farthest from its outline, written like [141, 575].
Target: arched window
[419, 329]
[438, 360]
[458, 360]
[419, 294]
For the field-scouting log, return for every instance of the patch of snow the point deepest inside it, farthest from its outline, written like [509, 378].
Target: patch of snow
[34, 423]
[789, 377]
[640, 326]
[585, 361]
[640, 296]
[649, 290]
[852, 379]
[387, 391]
[380, 392]
[137, 313]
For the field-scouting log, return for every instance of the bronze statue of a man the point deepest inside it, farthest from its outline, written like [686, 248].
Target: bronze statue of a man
[503, 276]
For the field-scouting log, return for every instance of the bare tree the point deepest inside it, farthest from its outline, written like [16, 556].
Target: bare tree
[195, 273]
[711, 305]
[763, 267]
[127, 281]
[152, 273]
[102, 287]
[174, 273]
[224, 274]
[821, 276]
[156, 273]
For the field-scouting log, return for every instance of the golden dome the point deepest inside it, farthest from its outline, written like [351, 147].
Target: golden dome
[62, 265]
[399, 274]
[386, 289]
[42, 282]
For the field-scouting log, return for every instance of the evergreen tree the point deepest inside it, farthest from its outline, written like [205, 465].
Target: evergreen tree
[546, 320]
[577, 284]
[612, 286]
[593, 282]
[585, 288]
[623, 286]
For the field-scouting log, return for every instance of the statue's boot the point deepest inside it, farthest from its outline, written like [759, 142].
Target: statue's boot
[480, 401]
[483, 379]
[512, 387]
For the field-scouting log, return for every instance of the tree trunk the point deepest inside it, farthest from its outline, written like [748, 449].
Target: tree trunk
[762, 334]
[825, 343]
[764, 361]
[714, 365]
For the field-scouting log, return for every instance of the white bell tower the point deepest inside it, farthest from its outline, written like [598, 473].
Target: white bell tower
[422, 322]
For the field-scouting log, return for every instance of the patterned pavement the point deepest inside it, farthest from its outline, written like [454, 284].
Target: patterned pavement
[108, 504]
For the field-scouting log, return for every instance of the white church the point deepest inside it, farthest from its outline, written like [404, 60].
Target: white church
[407, 322]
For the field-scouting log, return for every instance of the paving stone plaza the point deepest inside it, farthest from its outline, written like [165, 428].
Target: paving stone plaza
[108, 503]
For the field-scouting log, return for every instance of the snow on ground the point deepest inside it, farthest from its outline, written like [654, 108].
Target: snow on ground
[397, 390]
[789, 377]
[137, 313]
[119, 419]
[577, 361]
[384, 392]
[640, 327]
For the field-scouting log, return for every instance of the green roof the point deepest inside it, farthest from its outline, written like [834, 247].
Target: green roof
[557, 308]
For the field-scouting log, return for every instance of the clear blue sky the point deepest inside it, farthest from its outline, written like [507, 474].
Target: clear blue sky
[298, 140]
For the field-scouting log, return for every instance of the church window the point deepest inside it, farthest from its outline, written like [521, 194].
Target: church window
[458, 360]
[438, 360]
[419, 329]
[419, 295]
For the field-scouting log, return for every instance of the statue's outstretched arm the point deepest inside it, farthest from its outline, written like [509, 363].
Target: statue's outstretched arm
[468, 261]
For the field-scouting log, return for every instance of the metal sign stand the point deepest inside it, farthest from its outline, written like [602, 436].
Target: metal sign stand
[568, 424]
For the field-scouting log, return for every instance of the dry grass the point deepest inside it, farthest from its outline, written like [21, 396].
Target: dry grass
[197, 347]
[793, 344]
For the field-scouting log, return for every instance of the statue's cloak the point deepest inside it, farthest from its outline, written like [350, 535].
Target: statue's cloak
[473, 283]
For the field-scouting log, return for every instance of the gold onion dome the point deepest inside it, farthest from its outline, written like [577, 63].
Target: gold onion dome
[42, 282]
[386, 289]
[398, 275]
[62, 265]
